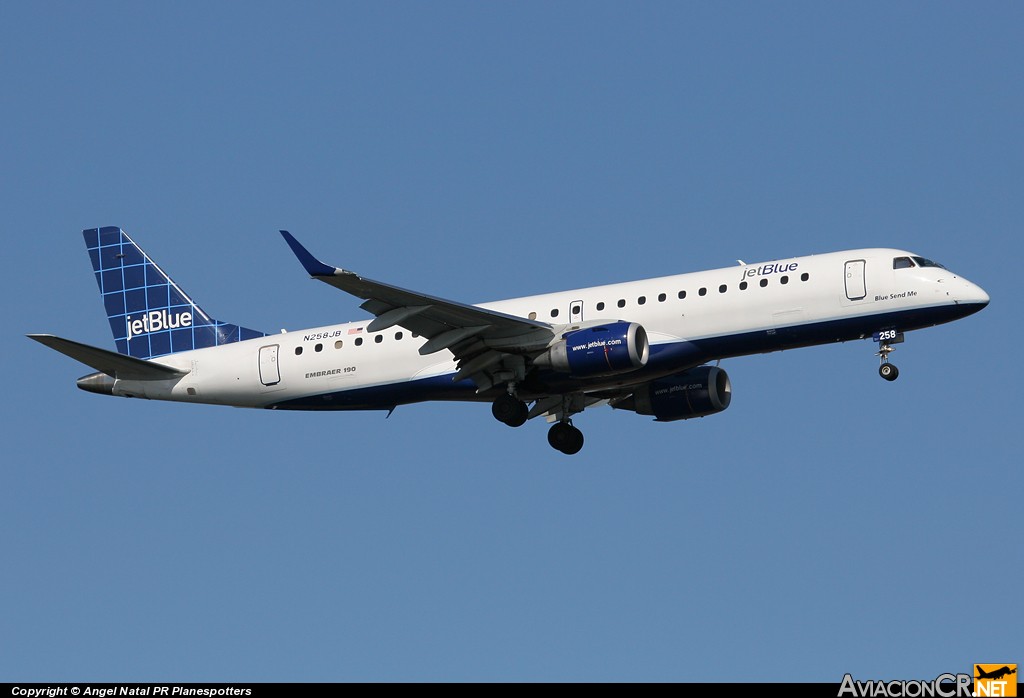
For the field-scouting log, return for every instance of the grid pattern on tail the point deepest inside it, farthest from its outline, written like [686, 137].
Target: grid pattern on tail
[149, 314]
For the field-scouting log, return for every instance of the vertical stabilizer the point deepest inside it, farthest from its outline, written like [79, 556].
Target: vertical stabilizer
[149, 314]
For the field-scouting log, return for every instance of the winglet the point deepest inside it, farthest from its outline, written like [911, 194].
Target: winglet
[312, 265]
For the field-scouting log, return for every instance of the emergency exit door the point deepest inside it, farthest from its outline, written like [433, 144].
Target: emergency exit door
[576, 312]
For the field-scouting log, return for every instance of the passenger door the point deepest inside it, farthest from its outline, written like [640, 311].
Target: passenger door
[856, 285]
[270, 372]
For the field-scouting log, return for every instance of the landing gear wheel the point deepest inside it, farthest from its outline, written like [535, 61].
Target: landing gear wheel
[510, 410]
[886, 339]
[889, 372]
[566, 438]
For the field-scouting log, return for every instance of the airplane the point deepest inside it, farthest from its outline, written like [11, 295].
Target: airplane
[996, 674]
[651, 347]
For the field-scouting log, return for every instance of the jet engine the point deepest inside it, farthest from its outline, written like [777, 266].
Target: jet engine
[696, 393]
[601, 350]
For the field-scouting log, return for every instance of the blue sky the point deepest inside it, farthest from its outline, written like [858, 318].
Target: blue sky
[828, 522]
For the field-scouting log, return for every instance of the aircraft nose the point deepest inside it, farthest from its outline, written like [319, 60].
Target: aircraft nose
[978, 295]
[973, 295]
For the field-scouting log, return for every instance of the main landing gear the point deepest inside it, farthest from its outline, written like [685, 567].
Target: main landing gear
[510, 410]
[563, 436]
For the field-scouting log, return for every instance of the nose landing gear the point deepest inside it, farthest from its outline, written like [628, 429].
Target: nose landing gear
[888, 371]
[885, 340]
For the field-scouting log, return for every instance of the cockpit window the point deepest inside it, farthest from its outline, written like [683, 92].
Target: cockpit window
[922, 262]
[902, 263]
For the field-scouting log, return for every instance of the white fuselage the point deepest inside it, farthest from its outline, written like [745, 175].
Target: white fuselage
[689, 318]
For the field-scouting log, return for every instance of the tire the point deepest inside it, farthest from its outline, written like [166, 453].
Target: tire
[575, 444]
[565, 438]
[509, 410]
[889, 372]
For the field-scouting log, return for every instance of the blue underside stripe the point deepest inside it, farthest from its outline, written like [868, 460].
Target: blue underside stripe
[665, 359]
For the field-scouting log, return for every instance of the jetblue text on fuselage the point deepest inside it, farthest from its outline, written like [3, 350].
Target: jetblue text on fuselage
[156, 320]
[766, 269]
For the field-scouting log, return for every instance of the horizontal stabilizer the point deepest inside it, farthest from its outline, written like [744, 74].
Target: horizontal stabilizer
[113, 364]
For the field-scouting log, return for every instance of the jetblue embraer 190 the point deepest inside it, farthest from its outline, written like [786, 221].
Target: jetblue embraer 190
[644, 346]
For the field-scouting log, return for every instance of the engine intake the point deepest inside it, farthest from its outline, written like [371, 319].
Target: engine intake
[602, 350]
[696, 393]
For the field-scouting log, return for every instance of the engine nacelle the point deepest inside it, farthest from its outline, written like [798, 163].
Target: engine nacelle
[601, 350]
[696, 393]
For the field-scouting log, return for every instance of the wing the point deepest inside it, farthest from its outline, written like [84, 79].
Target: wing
[489, 346]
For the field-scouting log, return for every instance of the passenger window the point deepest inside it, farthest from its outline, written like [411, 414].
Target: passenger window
[662, 297]
[743, 285]
[298, 351]
[398, 335]
[702, 292]
[805, 276]
[554, 312]
[723, 288]
[600, 306]
[379, 338]
[532, 316]
[359, 341]
[621, 303]
[641, 300]
[784, 280]
[318, 347]
[764, 282]
[682, 295]
[338, 344]
[575, 310]
[902, 263]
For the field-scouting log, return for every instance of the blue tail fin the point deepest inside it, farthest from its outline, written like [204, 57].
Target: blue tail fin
[149, 314]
